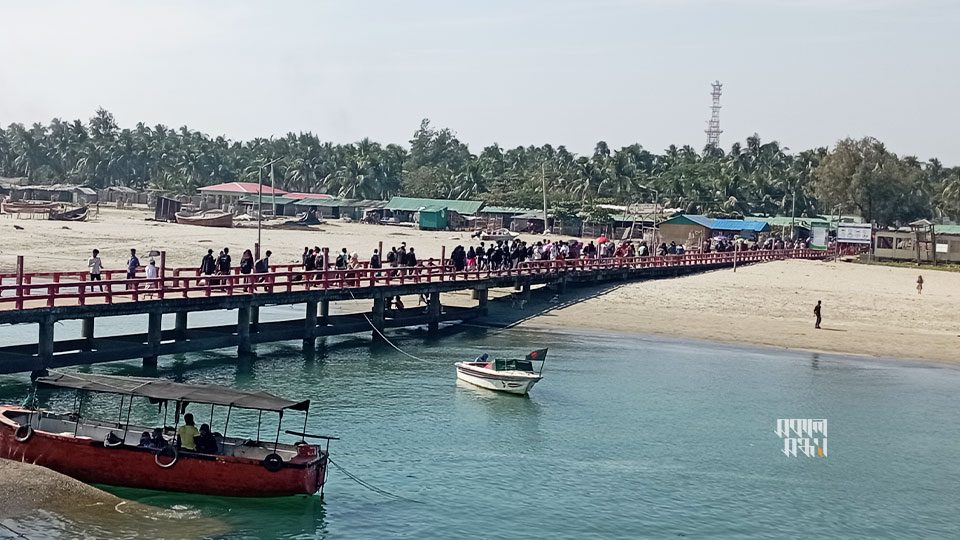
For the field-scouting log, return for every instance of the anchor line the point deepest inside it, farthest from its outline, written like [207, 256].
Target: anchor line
[386, 339]
[370, 486]
[18, 534]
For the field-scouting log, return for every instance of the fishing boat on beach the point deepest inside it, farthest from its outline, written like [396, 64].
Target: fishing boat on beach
[118, 453]
[499, 235]
[29, 207]
[510, 376]
[210, 218]
[77, 214]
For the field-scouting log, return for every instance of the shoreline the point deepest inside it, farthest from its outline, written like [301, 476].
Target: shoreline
[868, 310]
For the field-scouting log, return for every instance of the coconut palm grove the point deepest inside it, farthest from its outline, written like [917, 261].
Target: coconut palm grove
[756, 177]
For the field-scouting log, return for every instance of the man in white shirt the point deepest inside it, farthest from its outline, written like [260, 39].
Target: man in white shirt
[95, 265]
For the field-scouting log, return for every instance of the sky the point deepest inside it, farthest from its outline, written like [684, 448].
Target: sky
[516, 72]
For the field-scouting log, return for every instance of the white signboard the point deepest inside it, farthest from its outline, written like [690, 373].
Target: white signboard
[854, 233]
[818, 237]
[943, 248]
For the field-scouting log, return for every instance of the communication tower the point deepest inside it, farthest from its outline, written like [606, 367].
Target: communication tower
[713, 130]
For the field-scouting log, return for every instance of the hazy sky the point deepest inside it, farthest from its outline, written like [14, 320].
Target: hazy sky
[804, 72]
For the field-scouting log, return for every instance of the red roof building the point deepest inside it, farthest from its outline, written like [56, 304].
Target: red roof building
[309, 196]
[239, 189]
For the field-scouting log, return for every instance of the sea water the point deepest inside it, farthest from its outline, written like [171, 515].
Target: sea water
[626, 437]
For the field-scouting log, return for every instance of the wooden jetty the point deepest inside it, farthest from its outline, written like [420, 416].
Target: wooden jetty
[43, 299]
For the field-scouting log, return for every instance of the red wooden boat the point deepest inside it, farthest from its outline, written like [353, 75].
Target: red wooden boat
[111, 453]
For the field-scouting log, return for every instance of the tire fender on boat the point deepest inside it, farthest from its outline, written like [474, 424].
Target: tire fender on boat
[23, 434]
[168, 450]
[273, 462]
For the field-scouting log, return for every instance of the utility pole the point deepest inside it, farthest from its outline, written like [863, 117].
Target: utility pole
[260, 196]
[543, 180]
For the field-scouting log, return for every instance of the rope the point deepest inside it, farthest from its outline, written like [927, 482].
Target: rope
[19, 535]
[386, 339]
[370, 486]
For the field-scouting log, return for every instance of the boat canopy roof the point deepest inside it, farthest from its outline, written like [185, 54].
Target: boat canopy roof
[160, 389]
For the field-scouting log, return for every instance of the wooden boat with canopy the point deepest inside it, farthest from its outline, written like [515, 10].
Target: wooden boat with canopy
[209, 218]
[114, 453]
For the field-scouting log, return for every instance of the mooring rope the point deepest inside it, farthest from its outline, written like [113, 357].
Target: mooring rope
[370, 486]
[386, 339]
[18, 534]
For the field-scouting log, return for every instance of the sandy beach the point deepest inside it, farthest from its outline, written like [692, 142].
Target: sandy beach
[867, 310]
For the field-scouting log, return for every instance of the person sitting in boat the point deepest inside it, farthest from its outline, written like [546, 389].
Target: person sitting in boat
[157, 441]
[485, 358]
[206, 443]
[187, 433]
[145, 440]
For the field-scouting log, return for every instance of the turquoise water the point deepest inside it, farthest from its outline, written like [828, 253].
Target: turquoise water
[626, 437]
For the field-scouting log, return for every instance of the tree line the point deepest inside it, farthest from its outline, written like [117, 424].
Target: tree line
[755, 178]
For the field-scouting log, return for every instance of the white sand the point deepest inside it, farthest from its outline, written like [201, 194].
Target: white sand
[870, 310]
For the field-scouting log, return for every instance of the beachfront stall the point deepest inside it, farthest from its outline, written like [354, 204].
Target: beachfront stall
[690, 230]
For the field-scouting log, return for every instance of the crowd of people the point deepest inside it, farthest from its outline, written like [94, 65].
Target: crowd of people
[403, 260]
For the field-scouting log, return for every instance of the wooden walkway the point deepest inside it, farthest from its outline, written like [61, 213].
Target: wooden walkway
[46, 298]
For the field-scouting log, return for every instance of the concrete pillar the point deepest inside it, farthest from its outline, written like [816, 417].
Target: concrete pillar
[433, 307]
[254, 319]
[244, 347]
[86, 331]
[525, 293]
[482, 296]
[310, 328]
[562, 285]
[154, 321]
[180, 329]
[324, 311]
[45, 342]
[378, 317]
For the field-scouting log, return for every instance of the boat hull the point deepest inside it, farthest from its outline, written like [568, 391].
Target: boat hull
[219, 220]
[90, 461]
[497, 381]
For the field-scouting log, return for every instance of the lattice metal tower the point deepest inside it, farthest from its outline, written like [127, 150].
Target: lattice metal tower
[713, 130]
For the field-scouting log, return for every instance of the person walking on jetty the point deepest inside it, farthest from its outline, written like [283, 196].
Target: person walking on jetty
[153, 273]
[816, 313]
[246, 262]
[224, 262]
[95, 265]
[208, 264]
[132, 265]
[920, 284]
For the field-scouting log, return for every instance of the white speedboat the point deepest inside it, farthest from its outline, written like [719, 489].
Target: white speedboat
[511, 376]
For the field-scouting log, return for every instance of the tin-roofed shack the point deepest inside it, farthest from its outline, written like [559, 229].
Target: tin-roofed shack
[453, 212]
[691, 230]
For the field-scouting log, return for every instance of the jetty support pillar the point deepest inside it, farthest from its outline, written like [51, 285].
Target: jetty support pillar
[310, 328]
[482, 295]
[324, 311]
[254, 318]
[378, 317]
[180, 326]
[244, 347]
[44, 347]
[86, 332]
[433, 308]
[525, 291]
[154, 322]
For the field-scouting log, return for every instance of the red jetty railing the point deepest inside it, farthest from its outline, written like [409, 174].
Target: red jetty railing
[51, 289]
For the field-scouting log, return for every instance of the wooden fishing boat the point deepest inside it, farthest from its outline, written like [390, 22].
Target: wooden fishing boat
[510, 376]
[118, 453]
[30, 207]
[210, 218]
[504, 235]
[77, 214]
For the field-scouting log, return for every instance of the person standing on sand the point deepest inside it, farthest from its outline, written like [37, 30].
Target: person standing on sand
[816, 312]
[920, 284]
